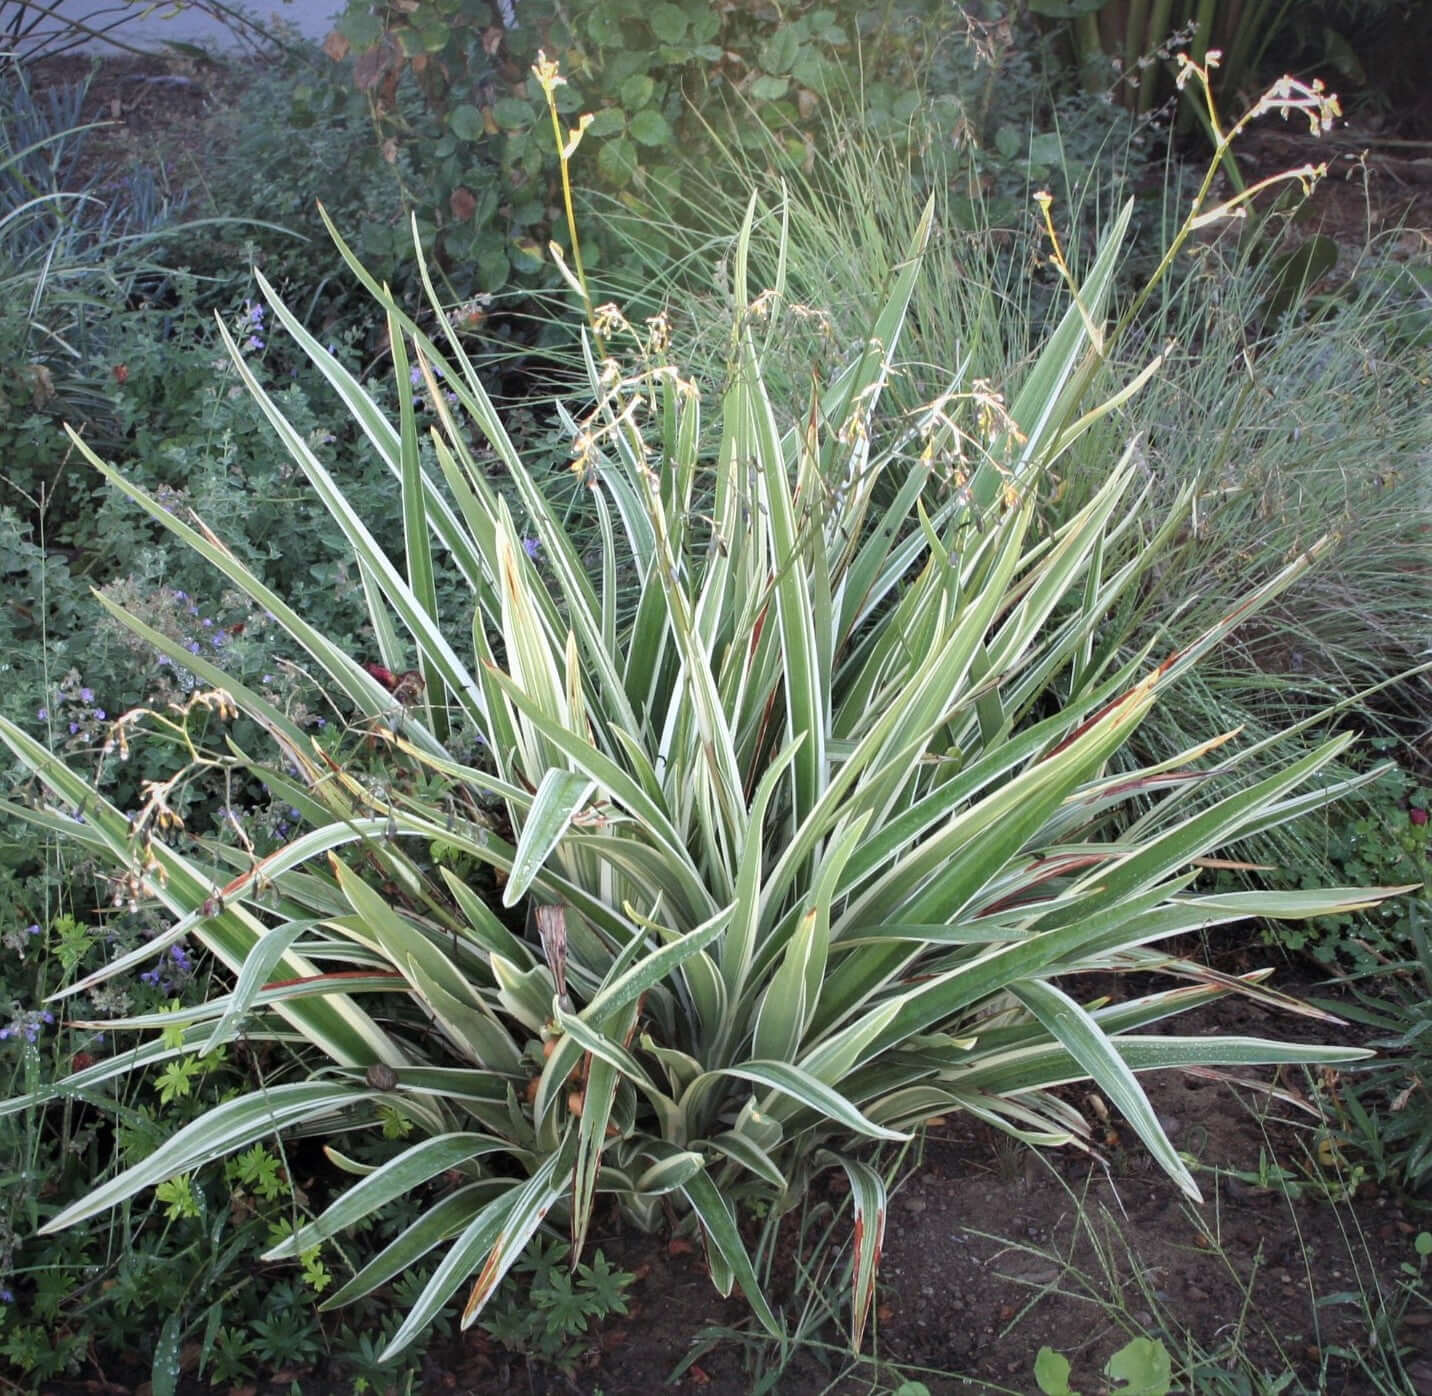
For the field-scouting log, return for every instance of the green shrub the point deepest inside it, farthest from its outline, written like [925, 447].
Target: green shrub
[818, 829]
[465, 131]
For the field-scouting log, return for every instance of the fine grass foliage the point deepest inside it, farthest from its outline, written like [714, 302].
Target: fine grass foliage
[674, 905]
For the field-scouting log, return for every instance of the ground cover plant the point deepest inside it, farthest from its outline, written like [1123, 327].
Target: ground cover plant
[813, 826]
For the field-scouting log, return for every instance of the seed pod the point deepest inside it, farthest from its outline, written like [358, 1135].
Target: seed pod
[381, 1077]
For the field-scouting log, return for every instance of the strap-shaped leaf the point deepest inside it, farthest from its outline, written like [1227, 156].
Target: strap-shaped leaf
[867, 1195]
[214, 1135]
[442, 1221]
[724, 1239]
[560, 795]
[530, 1204]
[394, 1179]
[1088, 1045]
[804, 1090]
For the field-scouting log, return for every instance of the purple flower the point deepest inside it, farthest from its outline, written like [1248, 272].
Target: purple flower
[192, 647]
[99, 714]
[254, 312]
[7, 1296]
[32, 929]
[43, 714]
[253, 343]
[415, 376]
[74, 727]
[181, 595]
[86, 695]
[532, 546]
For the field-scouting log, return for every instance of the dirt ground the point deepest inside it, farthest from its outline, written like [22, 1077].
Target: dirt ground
[992, 1250]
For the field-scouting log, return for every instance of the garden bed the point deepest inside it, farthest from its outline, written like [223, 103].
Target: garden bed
[1296, 1261]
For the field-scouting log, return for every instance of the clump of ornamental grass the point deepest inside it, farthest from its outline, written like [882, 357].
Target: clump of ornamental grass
[814, 841]
[1285, 427]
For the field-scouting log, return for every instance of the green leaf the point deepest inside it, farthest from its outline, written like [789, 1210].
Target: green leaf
[668, 22]
[1051, 1369]
[1142, 1363]
[803, 1089]
[636, 93]
[768, 88]
[1087, 1044]
[561, 795]
[512, 114]
[617, 160]
[394, 1179]
[778, 54]
[466, 122]
[607, 121]
[164, 1373]
[650, 128]
[724, 1240]
[220, 1131]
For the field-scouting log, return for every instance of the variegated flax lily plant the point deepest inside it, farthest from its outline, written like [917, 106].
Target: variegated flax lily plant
[805, 812]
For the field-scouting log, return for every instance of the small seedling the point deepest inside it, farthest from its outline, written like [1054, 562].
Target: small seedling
[1140, 1368]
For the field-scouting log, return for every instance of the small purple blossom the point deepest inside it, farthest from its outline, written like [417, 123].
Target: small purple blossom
[7, 1296]
[86, 695]
[74, 727]
[253, 343]
[532, 546]
[33, 929]
[43, 714]
[192, 647]
[254, 312]
[99, 714]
